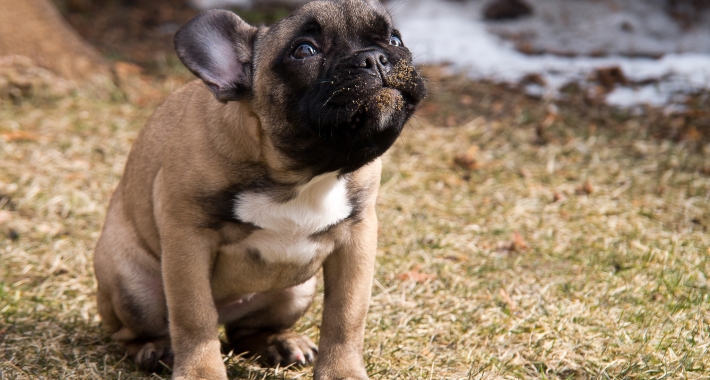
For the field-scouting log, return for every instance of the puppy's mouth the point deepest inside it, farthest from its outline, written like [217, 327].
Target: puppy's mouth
[378, 110]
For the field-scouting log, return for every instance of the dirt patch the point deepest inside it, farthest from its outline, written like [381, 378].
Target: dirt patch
[453, 100]
[388, 99]
[402, 74]
[21, 78]
[132, 31]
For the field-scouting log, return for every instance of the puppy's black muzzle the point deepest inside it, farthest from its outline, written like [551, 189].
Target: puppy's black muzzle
[353, 81]
[355, 110]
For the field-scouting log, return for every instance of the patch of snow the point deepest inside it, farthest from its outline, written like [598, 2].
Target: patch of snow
[453, 32]
[213, 4]
[245, 4]
[625, 97]
[608, 27]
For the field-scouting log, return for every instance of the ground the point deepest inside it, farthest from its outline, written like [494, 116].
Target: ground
[519, 238]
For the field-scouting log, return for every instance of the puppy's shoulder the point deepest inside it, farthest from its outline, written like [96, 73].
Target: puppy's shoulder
[174, 105]
[362, 188]
[367, 177]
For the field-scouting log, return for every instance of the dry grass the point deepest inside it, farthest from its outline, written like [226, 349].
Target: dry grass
[526, 243]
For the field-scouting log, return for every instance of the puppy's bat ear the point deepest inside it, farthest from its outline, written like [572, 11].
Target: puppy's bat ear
[217, 46]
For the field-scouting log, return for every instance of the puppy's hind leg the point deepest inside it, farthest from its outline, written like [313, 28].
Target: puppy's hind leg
[134, 313]
[130, 296]
[264, 330]
[144, 331]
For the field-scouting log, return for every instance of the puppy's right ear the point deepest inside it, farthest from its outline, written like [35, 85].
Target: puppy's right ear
[217, 46]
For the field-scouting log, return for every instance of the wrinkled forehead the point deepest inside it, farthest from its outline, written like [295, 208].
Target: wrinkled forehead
[336, 17]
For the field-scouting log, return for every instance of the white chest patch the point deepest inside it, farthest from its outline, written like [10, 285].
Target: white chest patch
[286, 227]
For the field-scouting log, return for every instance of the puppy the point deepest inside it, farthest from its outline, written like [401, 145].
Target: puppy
[240, 188]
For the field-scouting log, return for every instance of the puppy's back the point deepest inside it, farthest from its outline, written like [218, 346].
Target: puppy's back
[146, 159]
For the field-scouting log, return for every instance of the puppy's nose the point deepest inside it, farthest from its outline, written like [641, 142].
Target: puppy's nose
[373, 61]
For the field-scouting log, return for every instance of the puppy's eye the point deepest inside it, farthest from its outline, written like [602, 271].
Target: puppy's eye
[304, 51]
[396, 41]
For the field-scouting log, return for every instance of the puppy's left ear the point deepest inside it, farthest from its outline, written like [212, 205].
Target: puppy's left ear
[217, 46]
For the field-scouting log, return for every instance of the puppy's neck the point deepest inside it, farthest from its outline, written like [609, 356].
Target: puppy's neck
[237, 134]
[241, 127]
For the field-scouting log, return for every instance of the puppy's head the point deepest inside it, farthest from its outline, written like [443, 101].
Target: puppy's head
[332, 83]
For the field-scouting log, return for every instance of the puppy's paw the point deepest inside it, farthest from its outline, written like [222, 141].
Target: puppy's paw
[188, 377]
[149, 356]
[316, 377]
[289, 348]
[282, 348]
[341, 367]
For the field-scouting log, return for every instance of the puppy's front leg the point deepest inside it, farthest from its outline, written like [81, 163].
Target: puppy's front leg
[348, 282]
[188, 254]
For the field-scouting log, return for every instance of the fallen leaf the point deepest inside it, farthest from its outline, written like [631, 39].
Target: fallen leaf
[456, 258]
[453, 181]
[541, 135]
[519, 242]
[466, 100]
[416, 275]
[692, 134]
[516, 244]
[533, 78]
[468, 159]
[20, 136]
[586, 188]
[427, 353]
[557, 197]
[611, 76]
[525, 47]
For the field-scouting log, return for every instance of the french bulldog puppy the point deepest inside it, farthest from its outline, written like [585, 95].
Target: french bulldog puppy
[242, 186]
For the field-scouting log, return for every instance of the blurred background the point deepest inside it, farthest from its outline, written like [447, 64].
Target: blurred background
[544, 215]
[624, 53]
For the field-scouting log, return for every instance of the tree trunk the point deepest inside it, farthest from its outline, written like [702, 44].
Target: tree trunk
[34, 28]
